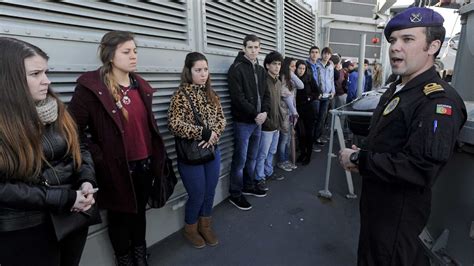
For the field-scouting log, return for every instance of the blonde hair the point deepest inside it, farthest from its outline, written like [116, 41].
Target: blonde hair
[377, 76]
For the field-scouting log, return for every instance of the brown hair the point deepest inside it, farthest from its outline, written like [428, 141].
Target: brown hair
[378, 75]
[108, 45]
[187, 77]
[21, 151]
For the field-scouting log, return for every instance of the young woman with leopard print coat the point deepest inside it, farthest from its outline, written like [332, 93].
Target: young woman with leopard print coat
[199, 180]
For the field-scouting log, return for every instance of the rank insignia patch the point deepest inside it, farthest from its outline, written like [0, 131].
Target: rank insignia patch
[391, 106]
[444, 109]
[431, 88]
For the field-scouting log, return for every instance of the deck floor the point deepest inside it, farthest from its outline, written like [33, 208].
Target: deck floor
[290, 226]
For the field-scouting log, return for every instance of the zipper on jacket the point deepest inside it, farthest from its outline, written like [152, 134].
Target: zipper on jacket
[50, 145]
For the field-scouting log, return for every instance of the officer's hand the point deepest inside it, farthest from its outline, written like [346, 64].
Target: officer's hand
[344, 160]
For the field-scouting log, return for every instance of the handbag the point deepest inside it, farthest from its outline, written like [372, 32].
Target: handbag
[162, 187]
[188, 150]
[68, 222]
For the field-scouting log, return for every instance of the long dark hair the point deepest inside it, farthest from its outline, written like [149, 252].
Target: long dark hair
[306, 73]
[187, 77]
[285, 72]
[108, 45]
[21, 152]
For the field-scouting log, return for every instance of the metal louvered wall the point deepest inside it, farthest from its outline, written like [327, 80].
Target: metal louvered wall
[227, 23]
[299, 30]
[70, 32]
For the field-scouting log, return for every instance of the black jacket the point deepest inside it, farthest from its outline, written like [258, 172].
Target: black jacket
[412, 136]
[310, 92]
[24, 205]
[243, 88]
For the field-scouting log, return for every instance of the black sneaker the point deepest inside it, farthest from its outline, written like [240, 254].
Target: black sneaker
[254, 192]
[262, 185]
[240, 202]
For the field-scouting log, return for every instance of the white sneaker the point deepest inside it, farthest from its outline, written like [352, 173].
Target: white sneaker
[283, 166]
[291, 165]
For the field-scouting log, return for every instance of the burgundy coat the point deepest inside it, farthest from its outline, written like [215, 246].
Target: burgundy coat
[95, 112]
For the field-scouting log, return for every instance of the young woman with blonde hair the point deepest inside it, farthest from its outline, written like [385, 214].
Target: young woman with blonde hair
[113, 104]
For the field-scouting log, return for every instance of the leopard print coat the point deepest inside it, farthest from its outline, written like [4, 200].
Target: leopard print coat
[181, 121]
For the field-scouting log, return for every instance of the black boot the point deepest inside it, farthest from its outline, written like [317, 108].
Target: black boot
[140, 256]
[124, 260]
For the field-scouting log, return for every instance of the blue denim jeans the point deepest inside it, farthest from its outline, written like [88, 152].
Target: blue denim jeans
[284, 147]
[200, 182]
[242, 170]
[266, 151]
[320, 117]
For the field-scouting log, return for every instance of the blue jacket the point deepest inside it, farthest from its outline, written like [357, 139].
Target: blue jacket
[352, 85]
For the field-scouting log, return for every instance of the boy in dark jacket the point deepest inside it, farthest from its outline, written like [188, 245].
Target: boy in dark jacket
[272, 125]
[250, 104]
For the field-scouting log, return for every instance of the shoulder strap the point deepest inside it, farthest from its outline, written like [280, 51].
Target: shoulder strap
[197, 118]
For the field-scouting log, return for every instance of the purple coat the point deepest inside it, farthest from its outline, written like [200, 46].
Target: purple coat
[93, 108]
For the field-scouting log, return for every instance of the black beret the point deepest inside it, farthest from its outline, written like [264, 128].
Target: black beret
[413, 17]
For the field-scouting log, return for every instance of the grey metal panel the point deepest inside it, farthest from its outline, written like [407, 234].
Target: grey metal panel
[352, 36]
[352, 9]
[227, 23]
[170, 23]
[373, 2]
[346, 42]
[299, 30]
[352, 50]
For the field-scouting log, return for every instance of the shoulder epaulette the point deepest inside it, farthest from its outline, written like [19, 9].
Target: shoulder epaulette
[432, 88]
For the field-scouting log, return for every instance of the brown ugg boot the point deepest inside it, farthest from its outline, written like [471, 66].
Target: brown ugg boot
[192, 234]
[206, 231]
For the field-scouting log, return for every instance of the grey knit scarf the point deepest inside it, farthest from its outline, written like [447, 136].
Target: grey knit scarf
[47, 110]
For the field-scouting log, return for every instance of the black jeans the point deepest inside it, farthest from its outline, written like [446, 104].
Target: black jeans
[129, 229]
[304, 128]
[38, 246]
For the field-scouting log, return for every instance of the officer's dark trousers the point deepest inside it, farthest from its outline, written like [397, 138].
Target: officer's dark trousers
[392, 217]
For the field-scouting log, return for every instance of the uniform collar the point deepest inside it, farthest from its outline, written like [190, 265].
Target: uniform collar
[419, 80]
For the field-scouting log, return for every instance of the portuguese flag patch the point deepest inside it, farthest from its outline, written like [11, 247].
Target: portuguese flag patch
[444, 109]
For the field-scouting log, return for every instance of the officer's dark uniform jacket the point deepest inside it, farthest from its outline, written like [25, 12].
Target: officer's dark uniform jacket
[245, 79]
[412, 135]
[24, 205]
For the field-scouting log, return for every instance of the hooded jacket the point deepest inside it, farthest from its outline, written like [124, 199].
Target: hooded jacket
[245, 80]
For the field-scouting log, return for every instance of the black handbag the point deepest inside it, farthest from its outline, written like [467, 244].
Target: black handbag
[68, 222]
[162, 187]
[188, 150]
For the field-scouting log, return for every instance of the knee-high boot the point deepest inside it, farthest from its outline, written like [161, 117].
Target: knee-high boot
[140, 256]
[124, 260]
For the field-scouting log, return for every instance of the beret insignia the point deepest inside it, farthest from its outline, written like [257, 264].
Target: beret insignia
[415, 17]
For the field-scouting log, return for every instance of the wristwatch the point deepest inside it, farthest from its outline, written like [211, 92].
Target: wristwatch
[354, 158]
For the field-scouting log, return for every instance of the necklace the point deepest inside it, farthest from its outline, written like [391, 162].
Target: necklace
[125, 99]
